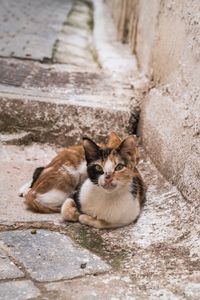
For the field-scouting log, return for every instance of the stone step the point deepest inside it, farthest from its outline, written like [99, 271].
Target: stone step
[59, 104]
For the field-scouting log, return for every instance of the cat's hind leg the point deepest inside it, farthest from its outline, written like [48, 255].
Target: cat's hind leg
[69, 211]
[48, 202]
[49, 191]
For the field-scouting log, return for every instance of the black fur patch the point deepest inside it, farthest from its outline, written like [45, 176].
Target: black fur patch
[36, 175]
[75, 197]
[93, 174]
[137, 186]
[134, 187]
[104, 153]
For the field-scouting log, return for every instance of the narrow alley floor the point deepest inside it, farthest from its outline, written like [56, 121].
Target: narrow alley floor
[65, 75]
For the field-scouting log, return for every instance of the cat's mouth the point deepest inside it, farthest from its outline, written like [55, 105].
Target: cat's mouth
[109, 186]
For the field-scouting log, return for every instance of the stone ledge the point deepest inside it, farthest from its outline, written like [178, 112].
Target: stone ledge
[58, 122]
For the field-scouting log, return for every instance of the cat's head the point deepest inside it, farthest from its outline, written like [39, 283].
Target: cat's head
[111, 168]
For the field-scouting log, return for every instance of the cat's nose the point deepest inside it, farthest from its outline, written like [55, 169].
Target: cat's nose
[108, 177]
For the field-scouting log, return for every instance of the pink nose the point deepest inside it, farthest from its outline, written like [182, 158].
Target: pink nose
[108, 177]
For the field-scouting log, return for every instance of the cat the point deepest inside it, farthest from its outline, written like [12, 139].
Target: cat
[113, 194]
[51, 185]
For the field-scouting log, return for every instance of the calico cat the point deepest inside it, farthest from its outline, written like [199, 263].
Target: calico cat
[113, 193]
[51, 185]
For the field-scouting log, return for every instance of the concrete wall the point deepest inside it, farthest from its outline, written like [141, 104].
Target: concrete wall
[167, 45]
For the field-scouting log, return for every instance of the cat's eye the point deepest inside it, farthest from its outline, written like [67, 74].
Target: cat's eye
[119, 167]
[99, 168]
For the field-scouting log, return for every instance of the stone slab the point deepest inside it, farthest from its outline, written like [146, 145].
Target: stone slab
[106, 287]
[49, 256]
[53, 102]
[116, 287]
[29, 29]
[8, 269]
[18, 290]
[54, 120]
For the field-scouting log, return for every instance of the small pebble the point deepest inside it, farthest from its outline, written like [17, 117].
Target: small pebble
[33, 231]
[83, 265]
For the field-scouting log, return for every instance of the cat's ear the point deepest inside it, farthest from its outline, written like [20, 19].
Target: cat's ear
[113, 140]
[91, 149]
[129, 148]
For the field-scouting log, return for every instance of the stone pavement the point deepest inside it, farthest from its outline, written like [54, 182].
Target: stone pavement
[83, 89]
[29, 28]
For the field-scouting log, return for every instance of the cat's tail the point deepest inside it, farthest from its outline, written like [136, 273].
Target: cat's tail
[49, 202]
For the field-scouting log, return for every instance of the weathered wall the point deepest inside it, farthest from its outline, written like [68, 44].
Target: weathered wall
[167, 45]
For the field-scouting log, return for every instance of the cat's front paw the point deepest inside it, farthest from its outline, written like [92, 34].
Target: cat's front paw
[69, 211]
[85, 219]
[91, 221]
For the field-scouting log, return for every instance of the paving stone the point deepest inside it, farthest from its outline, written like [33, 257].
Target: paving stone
[18, 290]
[97, 288]
[49, 256]
[8, 269]
[50, 101]
[29, 28]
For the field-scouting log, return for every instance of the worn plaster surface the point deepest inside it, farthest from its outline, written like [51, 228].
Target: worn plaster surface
[167, 47]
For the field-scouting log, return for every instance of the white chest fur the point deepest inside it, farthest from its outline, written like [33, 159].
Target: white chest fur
[117, 207]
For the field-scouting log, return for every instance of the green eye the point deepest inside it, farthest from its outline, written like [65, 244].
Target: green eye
[119, 167]
[99, 168]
